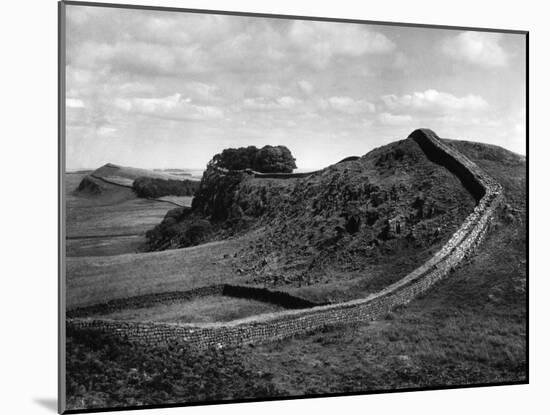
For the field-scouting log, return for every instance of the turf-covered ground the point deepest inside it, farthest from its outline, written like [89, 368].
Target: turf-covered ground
[113, 222]
[469, 329]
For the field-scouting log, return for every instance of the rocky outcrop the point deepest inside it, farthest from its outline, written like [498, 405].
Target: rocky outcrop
[89, 185]
[283, 324]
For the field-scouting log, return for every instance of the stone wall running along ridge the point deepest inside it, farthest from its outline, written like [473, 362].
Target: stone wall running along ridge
[258, 175]
[266, 327]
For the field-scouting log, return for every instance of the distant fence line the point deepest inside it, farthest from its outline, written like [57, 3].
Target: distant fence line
[279, 325]
[103, 179]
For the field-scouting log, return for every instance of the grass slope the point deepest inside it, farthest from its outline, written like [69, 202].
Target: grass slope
[98, 279]
[111, 222]
[132, 173]
[103, 373]
[469, 329]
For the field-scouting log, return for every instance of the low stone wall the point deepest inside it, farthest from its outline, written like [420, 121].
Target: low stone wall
[444, 157]
[103, 179]
[258, 175]
[283, 175]
[288, 323]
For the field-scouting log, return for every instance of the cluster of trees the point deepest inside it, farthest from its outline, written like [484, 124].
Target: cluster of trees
[268, 159]
[152, 187]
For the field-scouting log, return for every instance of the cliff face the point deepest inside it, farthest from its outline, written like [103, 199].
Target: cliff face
[89, 185]
[216, 197]
[386, 210]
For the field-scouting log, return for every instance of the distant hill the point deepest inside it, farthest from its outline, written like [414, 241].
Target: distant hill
[108, 181]
[126, 175]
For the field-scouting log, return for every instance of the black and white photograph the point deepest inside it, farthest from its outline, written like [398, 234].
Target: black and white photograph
[266, 207]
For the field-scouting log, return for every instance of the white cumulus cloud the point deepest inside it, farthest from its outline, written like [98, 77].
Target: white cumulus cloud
[74, 103]
[386, 118]
[434, 102]
[106, 131]
[476, 48]
[320, 41]
[171, 107]
[268, 104]
[305, 87]
[349, 105]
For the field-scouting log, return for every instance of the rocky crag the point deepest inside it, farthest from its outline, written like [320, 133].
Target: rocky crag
[391, 206]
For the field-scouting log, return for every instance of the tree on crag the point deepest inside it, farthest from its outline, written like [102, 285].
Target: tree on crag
[234, 158]
[268, 159]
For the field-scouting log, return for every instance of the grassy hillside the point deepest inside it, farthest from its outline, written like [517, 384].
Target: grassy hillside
[468, 329]
[98, 279]
[104, 214]
[132, 173]
[110, 222]
[153, 183]
[105, 373]
[94, 192]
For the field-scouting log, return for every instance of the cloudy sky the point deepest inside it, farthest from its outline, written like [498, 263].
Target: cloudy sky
[161, 89]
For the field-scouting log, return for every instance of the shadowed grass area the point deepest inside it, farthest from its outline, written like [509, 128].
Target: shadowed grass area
[103, 245]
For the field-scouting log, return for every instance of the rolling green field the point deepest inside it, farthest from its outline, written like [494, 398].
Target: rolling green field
[98, 279]
[112, 223]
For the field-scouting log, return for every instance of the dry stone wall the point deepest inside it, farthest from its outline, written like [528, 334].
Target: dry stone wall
[103, 179]
[258, 175]
[283, 324]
